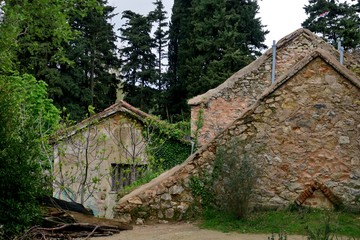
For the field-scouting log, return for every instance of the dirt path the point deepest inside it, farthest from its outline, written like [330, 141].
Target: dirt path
[184, 231]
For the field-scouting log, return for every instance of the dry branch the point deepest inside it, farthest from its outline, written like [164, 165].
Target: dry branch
[64, 224]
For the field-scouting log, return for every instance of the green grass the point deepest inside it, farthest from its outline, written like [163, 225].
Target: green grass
[147, 177]
[289, 221]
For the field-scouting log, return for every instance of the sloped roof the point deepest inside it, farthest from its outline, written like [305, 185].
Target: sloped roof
[230, 82]
[121, 106]
[323, 54]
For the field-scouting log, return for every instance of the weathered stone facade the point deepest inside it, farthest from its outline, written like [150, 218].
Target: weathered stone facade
[303, 132]
[219, 107]
[85, 156]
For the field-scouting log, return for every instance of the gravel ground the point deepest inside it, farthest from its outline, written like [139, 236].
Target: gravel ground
[184, 231]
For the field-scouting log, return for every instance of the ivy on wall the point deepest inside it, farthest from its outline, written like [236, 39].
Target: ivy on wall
[168, 146]
[173, 152]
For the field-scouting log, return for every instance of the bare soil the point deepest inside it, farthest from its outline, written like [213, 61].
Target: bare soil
[184, 231]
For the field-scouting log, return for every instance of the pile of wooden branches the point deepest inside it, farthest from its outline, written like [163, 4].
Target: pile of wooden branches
[59, 223]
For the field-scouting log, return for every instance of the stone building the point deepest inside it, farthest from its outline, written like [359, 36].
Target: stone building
[220, 106]
[302, 131]
[99, 156]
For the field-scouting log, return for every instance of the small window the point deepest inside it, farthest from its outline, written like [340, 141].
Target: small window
[123, 175]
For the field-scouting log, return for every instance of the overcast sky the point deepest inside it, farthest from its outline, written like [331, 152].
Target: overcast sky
[281, 17]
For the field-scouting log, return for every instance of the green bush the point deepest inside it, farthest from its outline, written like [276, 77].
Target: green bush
[237, 173]
[172, 153]
[167, 145]
[22, 101]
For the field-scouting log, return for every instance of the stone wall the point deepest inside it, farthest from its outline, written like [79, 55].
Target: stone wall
[222, 105]
[305, 129]
[91, 151]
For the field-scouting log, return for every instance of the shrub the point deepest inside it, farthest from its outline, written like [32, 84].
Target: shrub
[22, 101]
[230, 185]
[237, 173]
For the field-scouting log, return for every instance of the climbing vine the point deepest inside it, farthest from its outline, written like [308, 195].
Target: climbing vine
[199, 123]
[167, 145]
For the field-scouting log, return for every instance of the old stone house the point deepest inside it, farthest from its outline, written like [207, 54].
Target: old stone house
[220, 106]
[99, 156]
[302, 131]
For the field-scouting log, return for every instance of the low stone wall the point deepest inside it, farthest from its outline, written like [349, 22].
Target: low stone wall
[168, 197]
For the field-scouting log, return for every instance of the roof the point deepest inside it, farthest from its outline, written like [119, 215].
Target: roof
[121, 106]
[328, 58]
[230, 82]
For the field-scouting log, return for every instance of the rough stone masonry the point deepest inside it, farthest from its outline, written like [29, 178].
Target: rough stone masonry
[302, 132]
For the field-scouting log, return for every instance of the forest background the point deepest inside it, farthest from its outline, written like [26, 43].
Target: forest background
[58, 57]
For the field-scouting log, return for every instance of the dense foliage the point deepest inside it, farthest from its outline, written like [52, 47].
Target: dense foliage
[90, 78]
[138, 60]
[26, 116]
[68, 44]
[334, 21]
[35, 33]
[209, 41]
[161, 34]
[168, 145]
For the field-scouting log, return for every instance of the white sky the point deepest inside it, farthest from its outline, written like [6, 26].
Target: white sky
[281, 17]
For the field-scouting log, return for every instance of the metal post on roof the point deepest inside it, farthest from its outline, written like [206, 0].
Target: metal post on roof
[273, 62]
[341, 55]
[341, 51]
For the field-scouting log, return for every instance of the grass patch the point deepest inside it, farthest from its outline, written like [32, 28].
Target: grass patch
[147, 177]
[289, 221]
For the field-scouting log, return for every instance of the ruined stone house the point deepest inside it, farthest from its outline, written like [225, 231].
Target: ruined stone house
[302, 131]
[99, 156]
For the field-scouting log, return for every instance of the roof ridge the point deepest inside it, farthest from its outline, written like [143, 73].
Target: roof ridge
[112, 109]
[286, 76]
[228, 83]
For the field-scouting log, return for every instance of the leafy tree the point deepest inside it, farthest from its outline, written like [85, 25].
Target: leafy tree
[39, 30]
[334, 20]
[138, 61]
[237, 173]
[68, 44]
[210, 40]
[26, 116]
[88, 80]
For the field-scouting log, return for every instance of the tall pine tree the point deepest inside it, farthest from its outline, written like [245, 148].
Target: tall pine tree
[333, 20]
[210, 40]
[88, 80]
[158, 17]
[161, 38]
[178, 53]
[138, 60]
